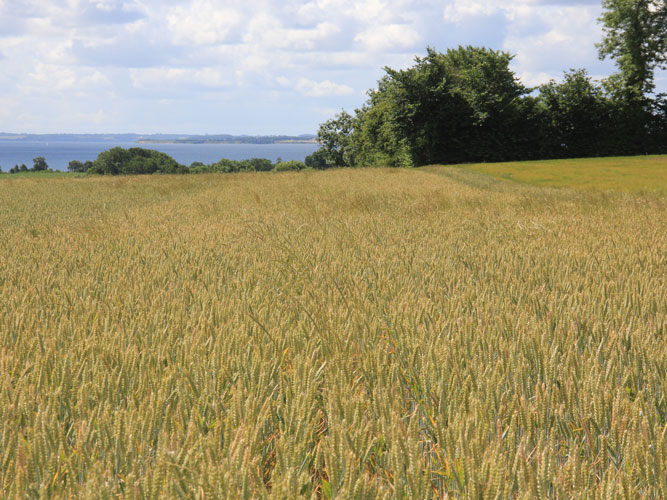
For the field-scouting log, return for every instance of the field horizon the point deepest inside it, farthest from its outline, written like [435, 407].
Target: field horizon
[436, 332]
[619, 173]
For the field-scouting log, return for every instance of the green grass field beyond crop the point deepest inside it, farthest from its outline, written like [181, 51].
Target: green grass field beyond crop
[56, 174]
[350, 334]
[636, 173]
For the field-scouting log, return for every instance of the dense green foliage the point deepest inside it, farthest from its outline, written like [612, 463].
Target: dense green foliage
[135, 161]
[16, 169]
[289, 165]
[636, 37]
[231, 166]
[119, 161]
[466, 105]
[39, 165]
[79, 166]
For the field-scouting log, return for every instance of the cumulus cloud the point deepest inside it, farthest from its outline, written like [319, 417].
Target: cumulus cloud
[266, 31]
[546, 36]
[460, 10]
[159, 78]
[129, 51]
[203, 22]
[312, 88]
[567, 39]
[320, 89]
[388, 37]
[111, 12]
[48, 78]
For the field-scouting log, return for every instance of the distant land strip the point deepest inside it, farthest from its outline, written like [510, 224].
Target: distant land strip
[236, 140]
[163, 138]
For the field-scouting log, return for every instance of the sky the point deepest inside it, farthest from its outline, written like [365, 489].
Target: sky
[255, 66]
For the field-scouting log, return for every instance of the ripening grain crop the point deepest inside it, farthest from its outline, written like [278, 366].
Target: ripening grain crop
[349, 334]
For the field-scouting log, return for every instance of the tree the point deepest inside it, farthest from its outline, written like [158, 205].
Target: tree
[318, 160]
[335, 137]
[575, 113]
[467, 105]
[462, 105]
[288, 165]
[111, 162]
[77, 166]
[150, 161]
[635, 35]
[260, 164]
[135, 161]
[225, 166]
[39, 164]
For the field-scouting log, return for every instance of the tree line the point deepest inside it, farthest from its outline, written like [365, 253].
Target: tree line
[137, 161]
[467, 105]
[133, 161]
[39, 165]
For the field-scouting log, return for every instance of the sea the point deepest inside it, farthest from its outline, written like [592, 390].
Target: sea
[59, 154]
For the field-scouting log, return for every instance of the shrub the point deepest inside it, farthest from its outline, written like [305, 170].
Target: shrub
[289, 165]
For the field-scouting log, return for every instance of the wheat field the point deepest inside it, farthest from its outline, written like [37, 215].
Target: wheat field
[348, 334]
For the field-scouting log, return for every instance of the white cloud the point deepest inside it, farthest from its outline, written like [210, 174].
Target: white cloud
[326, 113]
[269, 33]
[50, 77]
[534, 79]
[106, 12]
[370, 10]
[388, 38]
[203, 22]
[567, 39]
[159, 78]
[106, 5]
[345, 59]
[65, 82]
[94, 118]
[546, 36]
[461, 9]
[312, 88]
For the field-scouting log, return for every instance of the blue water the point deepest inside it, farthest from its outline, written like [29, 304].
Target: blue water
[59, 154]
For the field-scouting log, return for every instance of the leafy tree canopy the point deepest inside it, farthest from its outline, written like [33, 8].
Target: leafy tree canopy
[635, 36]
[39, 164]
[135, 161]
[466, 105]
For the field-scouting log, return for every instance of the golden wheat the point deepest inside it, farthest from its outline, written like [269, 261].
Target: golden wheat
[351, 334]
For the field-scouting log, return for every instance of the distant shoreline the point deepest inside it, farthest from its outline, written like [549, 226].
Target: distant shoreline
[161, 138]
[196, 141]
